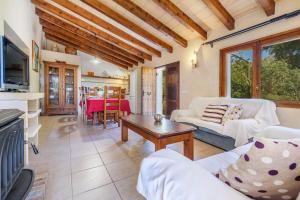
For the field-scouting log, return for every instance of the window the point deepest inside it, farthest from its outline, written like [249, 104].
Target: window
[267, 68]
[280, 71]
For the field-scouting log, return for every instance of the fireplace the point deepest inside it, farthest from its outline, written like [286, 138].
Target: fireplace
[16, 181]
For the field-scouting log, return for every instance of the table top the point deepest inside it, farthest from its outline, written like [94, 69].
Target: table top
[165, 128]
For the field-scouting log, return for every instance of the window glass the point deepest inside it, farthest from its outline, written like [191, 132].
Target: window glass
[241, 73]
[280, 71]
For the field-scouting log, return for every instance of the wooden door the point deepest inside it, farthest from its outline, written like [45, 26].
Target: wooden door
[69, 89]
[172, 87]
[53, 95]
[148, 91]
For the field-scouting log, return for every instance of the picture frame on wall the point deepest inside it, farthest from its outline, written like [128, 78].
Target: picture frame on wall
[35, 56]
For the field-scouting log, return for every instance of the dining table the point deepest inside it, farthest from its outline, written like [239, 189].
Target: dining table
[96, 104]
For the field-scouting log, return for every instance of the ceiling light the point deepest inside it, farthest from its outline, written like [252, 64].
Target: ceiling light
[96, 61]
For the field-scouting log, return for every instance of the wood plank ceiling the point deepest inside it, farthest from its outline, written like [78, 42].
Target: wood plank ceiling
[128, 32]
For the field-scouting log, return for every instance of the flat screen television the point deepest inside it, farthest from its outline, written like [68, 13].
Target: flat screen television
[14, 68]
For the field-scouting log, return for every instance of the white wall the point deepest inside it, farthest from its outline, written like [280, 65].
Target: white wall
[20, 17]
[99, 68]
[204, 81]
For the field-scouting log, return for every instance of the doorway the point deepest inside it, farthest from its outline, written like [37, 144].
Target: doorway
[167, 88]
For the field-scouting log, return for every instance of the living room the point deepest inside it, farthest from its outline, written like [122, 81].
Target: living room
[158, 99]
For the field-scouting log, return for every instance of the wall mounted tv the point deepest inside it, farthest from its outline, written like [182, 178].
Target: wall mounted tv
[14, 66]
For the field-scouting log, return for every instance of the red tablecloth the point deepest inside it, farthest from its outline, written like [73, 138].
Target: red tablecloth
[97, 105]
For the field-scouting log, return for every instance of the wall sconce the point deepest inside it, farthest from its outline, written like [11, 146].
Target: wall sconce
[194, 60]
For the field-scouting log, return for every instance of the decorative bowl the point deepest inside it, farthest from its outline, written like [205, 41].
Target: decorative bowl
[158, 117]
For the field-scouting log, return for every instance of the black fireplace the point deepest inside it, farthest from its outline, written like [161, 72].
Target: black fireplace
[16, 181]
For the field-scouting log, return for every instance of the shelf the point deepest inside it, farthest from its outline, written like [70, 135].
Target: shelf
[104, 77]
[33, 130]
[104, 83]
[32, 114]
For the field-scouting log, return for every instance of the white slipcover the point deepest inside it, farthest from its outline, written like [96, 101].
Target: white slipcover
[257, 114]
[168, 175]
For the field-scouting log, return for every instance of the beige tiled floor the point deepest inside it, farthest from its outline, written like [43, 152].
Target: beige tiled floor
[85, 162]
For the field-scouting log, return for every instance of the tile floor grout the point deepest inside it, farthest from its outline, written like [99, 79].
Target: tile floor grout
[109, 168]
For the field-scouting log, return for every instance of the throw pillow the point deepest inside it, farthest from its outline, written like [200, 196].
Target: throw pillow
[214, 113]
[233, 112]
[270, 170]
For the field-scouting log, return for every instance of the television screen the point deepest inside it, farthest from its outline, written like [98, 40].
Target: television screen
[16, 65]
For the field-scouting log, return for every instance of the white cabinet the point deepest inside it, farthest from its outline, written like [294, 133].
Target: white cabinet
[135, 98]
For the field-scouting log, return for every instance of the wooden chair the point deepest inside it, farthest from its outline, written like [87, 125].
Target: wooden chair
[82, 100]
[92, 92]
[123, 93]
[112, 92]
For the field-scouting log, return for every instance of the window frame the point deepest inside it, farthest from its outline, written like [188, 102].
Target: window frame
[256, 46]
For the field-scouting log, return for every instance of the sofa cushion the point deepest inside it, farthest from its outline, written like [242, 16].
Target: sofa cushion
[198, 104]
[270, 170]
[233, 112]
[198, 122]
[214, 113]
[221, 161]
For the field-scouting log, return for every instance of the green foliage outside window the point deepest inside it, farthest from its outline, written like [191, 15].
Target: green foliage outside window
[280, 73]
[241, 77]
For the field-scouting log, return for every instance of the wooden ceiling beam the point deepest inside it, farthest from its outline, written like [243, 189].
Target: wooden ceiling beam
[45, 17]
[82, 47]
[127, 23]
[223, 15]
[75, 37]
[173, 10]
[78, 22]
[148, 18]
[268, 6]
[102, 23]
[65, 43]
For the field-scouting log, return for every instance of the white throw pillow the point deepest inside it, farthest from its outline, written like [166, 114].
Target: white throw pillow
[233, 112]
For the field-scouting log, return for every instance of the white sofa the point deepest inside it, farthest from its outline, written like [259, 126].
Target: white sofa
[257, 114]
[168, 175]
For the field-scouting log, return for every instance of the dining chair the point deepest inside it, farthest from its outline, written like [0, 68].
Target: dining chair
[93, 92]
[82, 96]
[123, 93]
[111, 109]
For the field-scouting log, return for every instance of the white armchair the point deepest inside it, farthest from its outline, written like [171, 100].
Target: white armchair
[167, 175]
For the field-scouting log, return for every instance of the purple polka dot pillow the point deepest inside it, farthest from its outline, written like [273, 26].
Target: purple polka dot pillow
[270, 170]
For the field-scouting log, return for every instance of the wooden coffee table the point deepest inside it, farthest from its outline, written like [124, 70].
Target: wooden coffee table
[161, 134]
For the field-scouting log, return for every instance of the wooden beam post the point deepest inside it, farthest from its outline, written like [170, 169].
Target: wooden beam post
[100, 22]
[54, 37]
[46, 18]
[78, 22]
[171, 8]
[268, 6]
[75, 38]
[218, 9]
[148, 18]
[127, 23]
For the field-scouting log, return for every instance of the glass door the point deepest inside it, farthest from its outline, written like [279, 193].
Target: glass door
[69, 86]
[53, 89]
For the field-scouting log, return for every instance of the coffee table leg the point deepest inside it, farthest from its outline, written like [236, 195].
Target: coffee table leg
[124, 132]
[159, 145]
[189, 147]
